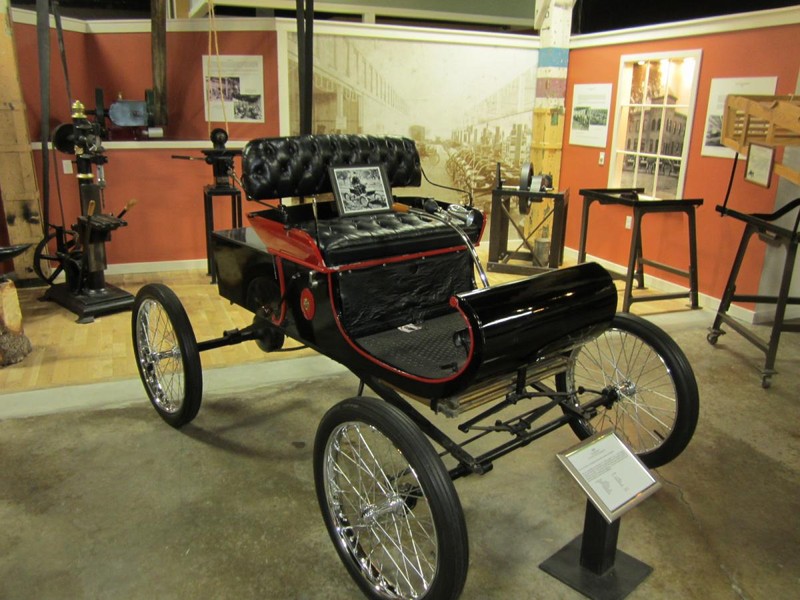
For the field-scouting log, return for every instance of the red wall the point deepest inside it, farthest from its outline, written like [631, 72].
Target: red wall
[167, 223]
[765, 52]
[120, 63]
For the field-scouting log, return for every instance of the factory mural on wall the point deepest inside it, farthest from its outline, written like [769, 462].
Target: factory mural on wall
[468, 107]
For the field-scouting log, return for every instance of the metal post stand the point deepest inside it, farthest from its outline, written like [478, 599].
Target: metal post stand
[221, 160]
[591, 564]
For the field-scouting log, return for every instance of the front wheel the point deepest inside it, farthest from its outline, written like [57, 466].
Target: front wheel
[389, 504]
[166, 354]
[653, 400]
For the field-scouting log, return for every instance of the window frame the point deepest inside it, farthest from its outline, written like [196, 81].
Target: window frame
[622, 153]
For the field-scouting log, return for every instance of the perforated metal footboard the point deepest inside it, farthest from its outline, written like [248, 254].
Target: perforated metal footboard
[430, 349]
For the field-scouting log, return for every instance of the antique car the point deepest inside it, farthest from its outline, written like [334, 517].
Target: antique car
[392, 294]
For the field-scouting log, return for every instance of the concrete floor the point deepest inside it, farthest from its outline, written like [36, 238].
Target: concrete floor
[100, 499]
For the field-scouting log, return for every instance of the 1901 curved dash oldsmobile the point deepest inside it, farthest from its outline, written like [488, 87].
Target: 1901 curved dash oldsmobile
[392, 295]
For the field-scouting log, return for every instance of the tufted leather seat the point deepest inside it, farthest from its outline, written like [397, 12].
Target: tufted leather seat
[366, 237]
[298, 166]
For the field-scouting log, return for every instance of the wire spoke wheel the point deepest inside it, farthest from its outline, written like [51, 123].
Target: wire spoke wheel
[654, 398]
[388, 502]
[166, 354]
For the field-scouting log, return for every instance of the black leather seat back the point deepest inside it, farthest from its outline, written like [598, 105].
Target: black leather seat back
[285, 167]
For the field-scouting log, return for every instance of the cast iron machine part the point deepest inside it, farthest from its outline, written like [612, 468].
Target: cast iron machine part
[221, 160]
[80, 252]
[9, 252]
[219, 157]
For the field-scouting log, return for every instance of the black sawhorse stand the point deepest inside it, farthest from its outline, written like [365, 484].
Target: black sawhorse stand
[209, 193]
[636, 262]
[499, 255]
[763, 226]
[591, 563]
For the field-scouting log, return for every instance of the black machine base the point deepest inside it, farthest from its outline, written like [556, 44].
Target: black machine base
[591, 563]
[87, 305]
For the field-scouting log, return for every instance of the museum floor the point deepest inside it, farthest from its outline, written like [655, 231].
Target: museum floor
[100, 499]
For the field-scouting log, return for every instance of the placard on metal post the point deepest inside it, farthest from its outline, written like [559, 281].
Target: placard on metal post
[615, 480]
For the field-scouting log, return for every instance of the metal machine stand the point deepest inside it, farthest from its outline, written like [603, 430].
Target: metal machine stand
[221, 160]
[500, 255]
[763, 226]
[83, 259]
[636, 261]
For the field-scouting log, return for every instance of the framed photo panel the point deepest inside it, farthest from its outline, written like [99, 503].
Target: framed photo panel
[759, 164]
[361, 189]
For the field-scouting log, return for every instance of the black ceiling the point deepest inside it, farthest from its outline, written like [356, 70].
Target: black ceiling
[605, 15]
[589, 16]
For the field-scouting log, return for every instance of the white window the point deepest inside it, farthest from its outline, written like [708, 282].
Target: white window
[655, 105]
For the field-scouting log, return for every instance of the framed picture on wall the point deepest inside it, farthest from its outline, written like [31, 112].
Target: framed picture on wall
[361, 189]
[759, 164]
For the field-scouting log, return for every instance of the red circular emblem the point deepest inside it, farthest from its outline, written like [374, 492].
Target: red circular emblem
[307, 304]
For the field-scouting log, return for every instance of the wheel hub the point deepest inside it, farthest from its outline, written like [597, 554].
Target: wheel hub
[394, 505]
[627, 388]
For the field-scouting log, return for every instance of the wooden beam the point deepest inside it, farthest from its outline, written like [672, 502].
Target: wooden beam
[19, 190]
[158, 17]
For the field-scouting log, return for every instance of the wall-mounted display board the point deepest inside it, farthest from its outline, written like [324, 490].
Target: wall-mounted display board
[591, 104]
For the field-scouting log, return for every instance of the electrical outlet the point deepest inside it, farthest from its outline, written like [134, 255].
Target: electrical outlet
[67, 166]
[628, 222]
[602, 160]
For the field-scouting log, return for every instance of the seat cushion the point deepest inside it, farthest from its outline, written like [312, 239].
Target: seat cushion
[358, 238]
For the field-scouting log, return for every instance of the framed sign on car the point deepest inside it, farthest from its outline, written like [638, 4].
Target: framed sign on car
[361, 189]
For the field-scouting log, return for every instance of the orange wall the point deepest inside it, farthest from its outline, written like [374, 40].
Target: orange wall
[167, 224]
[120, 63]
[766, 52]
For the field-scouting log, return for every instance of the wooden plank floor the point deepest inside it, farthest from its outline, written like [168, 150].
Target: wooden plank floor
[68, 353]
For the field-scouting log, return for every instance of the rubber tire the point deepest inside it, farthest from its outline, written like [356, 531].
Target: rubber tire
[452, 547]
[677, 369]
[179, 333]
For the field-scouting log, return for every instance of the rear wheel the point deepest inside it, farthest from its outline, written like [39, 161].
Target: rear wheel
[388, 503]
[166, 354]
[653, 399]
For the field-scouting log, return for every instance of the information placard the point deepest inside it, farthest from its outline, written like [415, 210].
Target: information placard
[611, 475]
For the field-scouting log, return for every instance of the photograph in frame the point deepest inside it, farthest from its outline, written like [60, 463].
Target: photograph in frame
[361, 189]
[759, 164]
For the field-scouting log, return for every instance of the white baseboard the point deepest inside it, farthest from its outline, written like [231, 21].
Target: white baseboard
[155, 267]
[668, 287]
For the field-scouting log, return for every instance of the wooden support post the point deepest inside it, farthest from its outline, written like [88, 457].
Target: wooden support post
[19, 190]
[554, 20]
[158, 16]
